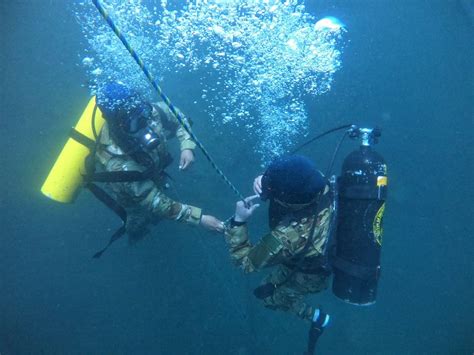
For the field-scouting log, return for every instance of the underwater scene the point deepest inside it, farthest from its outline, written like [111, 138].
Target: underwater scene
[237, 177]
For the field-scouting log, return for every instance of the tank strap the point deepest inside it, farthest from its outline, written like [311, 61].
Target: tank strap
[360, 271]
[82, 139]
[113, 176]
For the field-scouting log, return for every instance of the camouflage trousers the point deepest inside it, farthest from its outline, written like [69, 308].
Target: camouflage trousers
[289, 295]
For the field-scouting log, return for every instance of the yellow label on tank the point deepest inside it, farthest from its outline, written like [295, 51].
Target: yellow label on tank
[377, 224]
[382, 181]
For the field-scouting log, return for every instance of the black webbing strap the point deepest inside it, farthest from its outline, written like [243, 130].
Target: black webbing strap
[356, 270]
[120, 176]
[82, 139]
[105, 198]
[97, 191]
[118, 233]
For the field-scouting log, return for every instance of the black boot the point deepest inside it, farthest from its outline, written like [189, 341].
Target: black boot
[319, 322]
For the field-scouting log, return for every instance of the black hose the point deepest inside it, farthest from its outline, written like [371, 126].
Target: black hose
[319, 136]
[338, 146]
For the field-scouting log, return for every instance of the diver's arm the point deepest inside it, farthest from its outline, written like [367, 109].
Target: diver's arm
[165, 207]
[172, 123]
[267, 252]
[149, 197]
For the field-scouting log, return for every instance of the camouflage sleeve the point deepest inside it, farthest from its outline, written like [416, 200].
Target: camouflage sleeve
[148, 196]
[163, 206]
[183, 136]
[267, 252]
[282, 243]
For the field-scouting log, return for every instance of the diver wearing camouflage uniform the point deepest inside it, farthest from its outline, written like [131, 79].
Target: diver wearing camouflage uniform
[144, 201]
[297, 193]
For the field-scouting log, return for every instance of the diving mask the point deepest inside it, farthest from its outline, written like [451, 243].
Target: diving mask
[135, 125]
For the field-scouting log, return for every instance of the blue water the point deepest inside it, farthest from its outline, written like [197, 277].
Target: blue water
[407, 66]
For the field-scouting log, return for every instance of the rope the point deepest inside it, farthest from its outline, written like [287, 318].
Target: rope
[165, 98]
[208, 252]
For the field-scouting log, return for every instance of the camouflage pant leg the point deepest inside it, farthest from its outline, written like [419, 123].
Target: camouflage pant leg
[289, 297]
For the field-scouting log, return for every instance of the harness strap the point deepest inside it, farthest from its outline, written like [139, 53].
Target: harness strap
[82, 139]
[118, 233]
[97, 191]
[108, 201]
[120, 176]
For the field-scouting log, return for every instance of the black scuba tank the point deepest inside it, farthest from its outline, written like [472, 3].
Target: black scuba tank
[362, 190]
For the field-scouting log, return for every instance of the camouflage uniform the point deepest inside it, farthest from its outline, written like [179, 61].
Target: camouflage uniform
[145, 201]
[281, 248]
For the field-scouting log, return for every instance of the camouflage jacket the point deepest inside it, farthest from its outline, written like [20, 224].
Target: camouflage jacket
[145, 199]
[285, 243]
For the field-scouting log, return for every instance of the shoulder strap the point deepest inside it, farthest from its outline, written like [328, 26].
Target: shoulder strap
[97, 191]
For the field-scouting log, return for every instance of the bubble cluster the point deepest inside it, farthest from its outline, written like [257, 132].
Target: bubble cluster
[256, 59]
[105, 57]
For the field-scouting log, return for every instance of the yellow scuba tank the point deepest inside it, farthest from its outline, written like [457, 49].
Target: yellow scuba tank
[65, 178]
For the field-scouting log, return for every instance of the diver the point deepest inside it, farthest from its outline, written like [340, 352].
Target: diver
[131, 157]
[299, 219]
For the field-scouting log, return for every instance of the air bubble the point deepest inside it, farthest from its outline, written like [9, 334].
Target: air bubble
[267, 56]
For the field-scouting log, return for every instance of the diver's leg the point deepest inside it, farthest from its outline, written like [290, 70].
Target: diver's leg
[290, 289]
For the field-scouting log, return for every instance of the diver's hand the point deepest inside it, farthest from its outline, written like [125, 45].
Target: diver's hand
[187, 157]
[243, 211]
[212, 223]
[257, 185]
